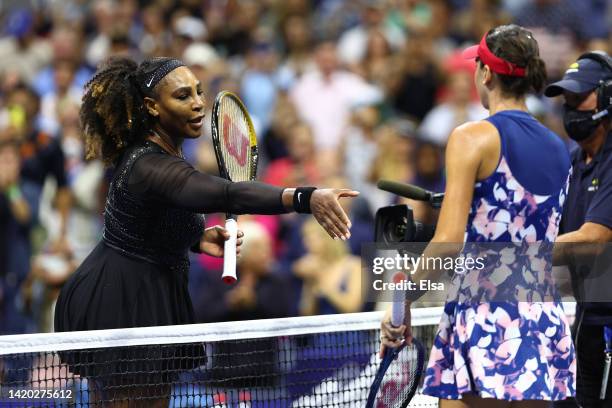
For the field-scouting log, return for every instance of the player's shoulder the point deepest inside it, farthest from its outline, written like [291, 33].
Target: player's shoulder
[473, 134]
[476, 127]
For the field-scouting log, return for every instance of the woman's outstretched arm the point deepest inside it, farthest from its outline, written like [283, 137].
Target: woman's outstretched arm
[173, 180]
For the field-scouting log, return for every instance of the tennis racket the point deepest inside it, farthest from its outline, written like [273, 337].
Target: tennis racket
[235, 145]
[399, 374]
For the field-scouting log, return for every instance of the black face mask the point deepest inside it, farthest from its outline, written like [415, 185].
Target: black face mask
[579, 124]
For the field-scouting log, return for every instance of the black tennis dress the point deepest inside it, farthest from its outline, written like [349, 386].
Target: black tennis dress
[137, 275]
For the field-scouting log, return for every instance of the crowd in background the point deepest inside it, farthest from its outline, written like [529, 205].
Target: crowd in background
[342, 93]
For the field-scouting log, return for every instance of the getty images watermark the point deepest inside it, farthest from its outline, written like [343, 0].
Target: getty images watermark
[408, 264]
[488, 272]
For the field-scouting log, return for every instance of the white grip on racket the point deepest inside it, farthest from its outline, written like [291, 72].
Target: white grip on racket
[399, 296]
[229, 252]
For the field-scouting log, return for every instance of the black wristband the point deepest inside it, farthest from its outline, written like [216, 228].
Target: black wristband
[196, 248]
[301, 199]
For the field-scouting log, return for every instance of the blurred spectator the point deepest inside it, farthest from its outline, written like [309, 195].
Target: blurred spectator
[333, 17]
[68, 48]
[187, 30]
[65, 92]
[298, 49]
[231, 25]
[559, 25]
[120, 43]
[331, 275]
[395, 146]
[352, 46]
[201, 58]
[414, 16]
[259, 293]
[155, 37]
[439, 30]
[324, 98]
[103, 14]
[457, 109]
[359, 147]
[258, 87]
[451, 64]
[419, 78]
[300, 167]
[428, 174]
[471, 23]
[584, 21]
[18, 212]
[112, 22]
[429, 165]
[21, 50]
[284, 118]
[378, 65]
[41, 154]
[430, 18]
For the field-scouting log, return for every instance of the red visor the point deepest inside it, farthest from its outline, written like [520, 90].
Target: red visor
[497, 65]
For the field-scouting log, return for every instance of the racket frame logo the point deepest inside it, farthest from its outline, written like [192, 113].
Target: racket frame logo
[236, 141]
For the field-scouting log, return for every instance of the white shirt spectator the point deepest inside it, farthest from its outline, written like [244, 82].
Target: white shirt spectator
[325, 104]
[48, 109]
[27, 62]
[353, 43]
[441, 120]
[359, 155]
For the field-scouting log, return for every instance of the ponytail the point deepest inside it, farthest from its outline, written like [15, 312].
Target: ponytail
[112, 114]
[536, 73]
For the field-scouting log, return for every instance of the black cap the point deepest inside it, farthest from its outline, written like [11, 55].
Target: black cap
[582, 76]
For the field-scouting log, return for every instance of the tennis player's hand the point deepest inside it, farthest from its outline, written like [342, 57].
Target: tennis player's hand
[325, 207]
[394, 336]
[214, 238]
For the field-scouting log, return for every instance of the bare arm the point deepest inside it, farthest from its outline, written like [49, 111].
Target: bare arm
[588, 233]
[467, 146]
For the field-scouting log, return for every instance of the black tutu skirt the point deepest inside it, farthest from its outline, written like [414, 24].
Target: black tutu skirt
[111, 290]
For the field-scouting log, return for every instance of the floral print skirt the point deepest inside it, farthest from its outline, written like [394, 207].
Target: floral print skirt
[506, 351]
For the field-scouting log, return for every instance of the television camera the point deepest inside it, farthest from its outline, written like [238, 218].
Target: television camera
[396, 223]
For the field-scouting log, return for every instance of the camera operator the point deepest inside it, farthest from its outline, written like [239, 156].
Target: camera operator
[587, 214]
[500, 189]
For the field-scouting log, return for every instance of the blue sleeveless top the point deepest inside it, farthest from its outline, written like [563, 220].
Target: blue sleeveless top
[522, 200]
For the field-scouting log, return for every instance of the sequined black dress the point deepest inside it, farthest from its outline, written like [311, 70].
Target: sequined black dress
[137, 275]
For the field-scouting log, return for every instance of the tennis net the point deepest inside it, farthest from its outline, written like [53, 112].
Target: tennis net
[315, 361]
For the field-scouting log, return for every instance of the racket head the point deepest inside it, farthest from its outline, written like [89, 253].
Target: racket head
[234, 138]
[398, 376]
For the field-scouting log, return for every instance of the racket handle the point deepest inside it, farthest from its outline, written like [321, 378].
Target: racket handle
[229, 252]
[397, 309]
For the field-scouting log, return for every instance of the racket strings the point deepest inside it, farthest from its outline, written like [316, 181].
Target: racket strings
[400, 380]
[235, 140]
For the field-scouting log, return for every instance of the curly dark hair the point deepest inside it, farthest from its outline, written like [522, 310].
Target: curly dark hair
[113, 115]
